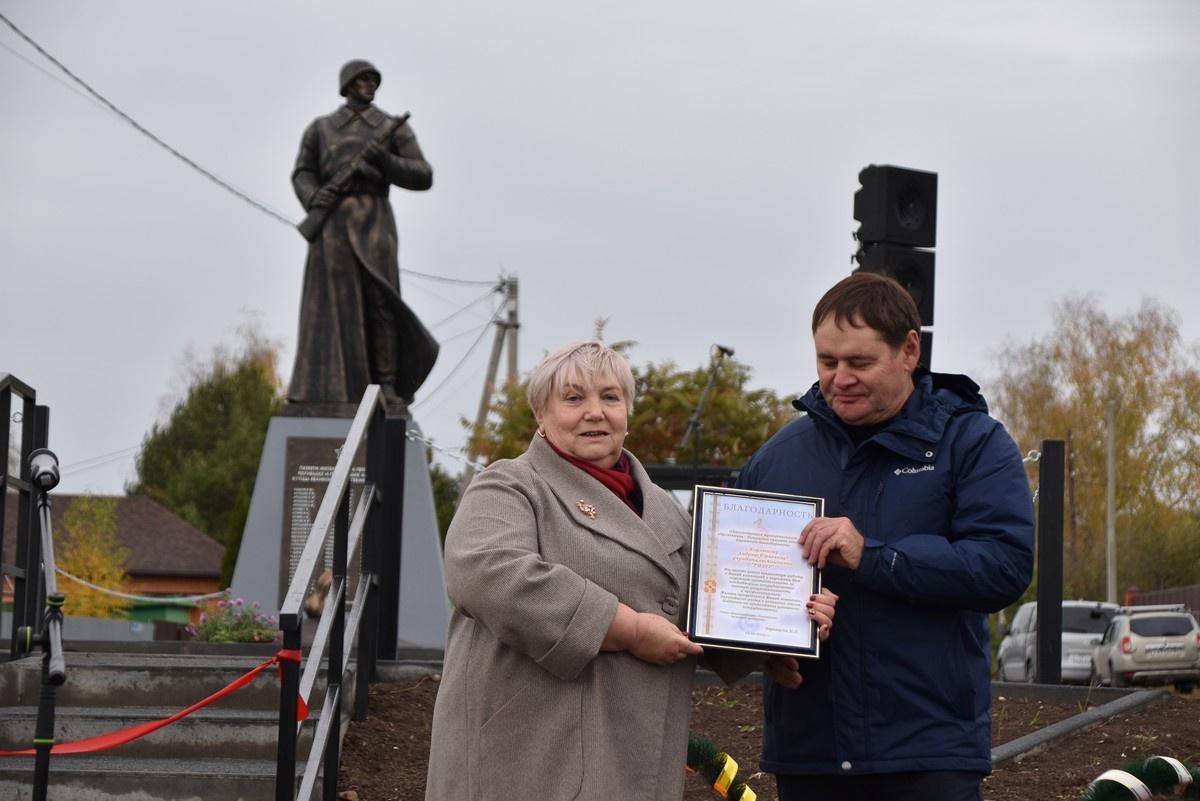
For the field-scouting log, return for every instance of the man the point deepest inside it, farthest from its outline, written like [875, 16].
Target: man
[929, 527]
[354, 328]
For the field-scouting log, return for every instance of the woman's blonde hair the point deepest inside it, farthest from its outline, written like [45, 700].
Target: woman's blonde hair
[578, 364]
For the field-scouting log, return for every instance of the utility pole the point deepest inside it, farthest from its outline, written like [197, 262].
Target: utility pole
[508, 326]
[512, 325]
[1110, 495]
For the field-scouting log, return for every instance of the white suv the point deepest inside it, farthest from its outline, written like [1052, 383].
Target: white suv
[1082, 623]
[1152, 644]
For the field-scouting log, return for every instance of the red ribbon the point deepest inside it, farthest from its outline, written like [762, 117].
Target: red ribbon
[103, 742]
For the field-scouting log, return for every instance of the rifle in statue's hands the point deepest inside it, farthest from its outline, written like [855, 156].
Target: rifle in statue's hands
[339, 184]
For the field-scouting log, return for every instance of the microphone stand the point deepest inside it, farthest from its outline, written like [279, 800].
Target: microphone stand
[693, 427]
[54, 669]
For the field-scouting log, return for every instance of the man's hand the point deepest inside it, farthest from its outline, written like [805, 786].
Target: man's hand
[325, 198]
[786, 669]
[834, 540]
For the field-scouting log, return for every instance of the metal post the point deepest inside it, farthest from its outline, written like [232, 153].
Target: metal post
[289, 690]
[694, 424]
[489, 386]
[28, 593]
[52, 677]
[336, 665]
[368, 631]
[391, 534]
[41, 521]
[1110, 497]
[512, 325]
[1050, 561]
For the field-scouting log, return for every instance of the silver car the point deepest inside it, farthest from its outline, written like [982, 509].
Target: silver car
[1149, 645]
[1082, 623]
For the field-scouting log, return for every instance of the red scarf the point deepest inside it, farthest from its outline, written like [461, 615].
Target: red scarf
[618, 478]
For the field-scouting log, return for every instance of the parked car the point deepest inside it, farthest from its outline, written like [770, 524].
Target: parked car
[1153, 644]
[1082, 623]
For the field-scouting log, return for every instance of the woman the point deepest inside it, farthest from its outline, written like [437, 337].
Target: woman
[566, 675]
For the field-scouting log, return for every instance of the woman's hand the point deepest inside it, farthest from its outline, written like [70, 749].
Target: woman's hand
[649, 637]
[659, 641]
[821, 608]
[786, 669]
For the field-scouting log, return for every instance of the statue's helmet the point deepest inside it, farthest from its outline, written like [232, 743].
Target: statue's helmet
[352, 69]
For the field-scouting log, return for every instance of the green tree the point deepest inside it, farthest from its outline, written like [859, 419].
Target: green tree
[89, 549]
[1059, 387]
[201, 463]
[735, 420]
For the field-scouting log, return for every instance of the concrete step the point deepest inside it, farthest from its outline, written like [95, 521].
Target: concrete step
[100, 778]
[206, 733]
[224, 751]
[112, 679]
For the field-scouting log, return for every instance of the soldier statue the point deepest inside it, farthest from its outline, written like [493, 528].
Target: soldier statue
[354, 328]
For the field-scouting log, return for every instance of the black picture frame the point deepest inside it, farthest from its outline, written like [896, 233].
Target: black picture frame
[744, 594]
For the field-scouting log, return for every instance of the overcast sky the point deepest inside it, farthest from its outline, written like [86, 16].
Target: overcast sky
[685, 169]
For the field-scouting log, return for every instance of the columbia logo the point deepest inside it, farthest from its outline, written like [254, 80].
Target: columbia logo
[908, 471]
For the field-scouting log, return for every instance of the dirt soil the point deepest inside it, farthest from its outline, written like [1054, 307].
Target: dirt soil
[384, 758]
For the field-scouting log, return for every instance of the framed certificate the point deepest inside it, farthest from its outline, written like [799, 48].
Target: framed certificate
[749, 581]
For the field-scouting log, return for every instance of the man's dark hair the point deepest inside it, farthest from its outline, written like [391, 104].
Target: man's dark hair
[876, 300]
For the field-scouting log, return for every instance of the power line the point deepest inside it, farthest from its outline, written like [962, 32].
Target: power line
[141, 129]
[52, 76]
[96, 461]
[463, 360]
[463, 333]
[491, 291]
[95, 96]
[443, 278]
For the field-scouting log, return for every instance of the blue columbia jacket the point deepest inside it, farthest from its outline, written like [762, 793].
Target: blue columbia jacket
[941, 496]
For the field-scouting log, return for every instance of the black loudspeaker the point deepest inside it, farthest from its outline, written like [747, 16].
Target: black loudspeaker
[926, 349]
[912, 269]
[896, 205]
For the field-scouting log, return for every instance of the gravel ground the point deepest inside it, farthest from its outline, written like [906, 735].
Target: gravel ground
[384, 758]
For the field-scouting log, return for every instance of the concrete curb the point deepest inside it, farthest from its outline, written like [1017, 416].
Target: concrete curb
[1040, 740]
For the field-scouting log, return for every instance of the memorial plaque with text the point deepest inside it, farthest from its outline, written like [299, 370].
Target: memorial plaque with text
[310, 462]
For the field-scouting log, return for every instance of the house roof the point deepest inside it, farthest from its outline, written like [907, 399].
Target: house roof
[160, 542]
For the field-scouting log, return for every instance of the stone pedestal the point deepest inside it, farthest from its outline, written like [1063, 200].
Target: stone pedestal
[297, 458]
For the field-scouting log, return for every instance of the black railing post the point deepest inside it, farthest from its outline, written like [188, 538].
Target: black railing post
[390, 538]
[289, 691]
[28, 593]
[1051, 485]
[337, 649]
[41, 436]
[368, 630]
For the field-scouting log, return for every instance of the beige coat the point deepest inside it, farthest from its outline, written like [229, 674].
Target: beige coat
[529, 707]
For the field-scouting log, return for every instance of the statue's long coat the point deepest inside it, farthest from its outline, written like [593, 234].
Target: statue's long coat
[357, 244]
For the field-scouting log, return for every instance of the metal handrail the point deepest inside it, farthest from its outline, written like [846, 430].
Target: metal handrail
[335, 635]
[332, 600]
